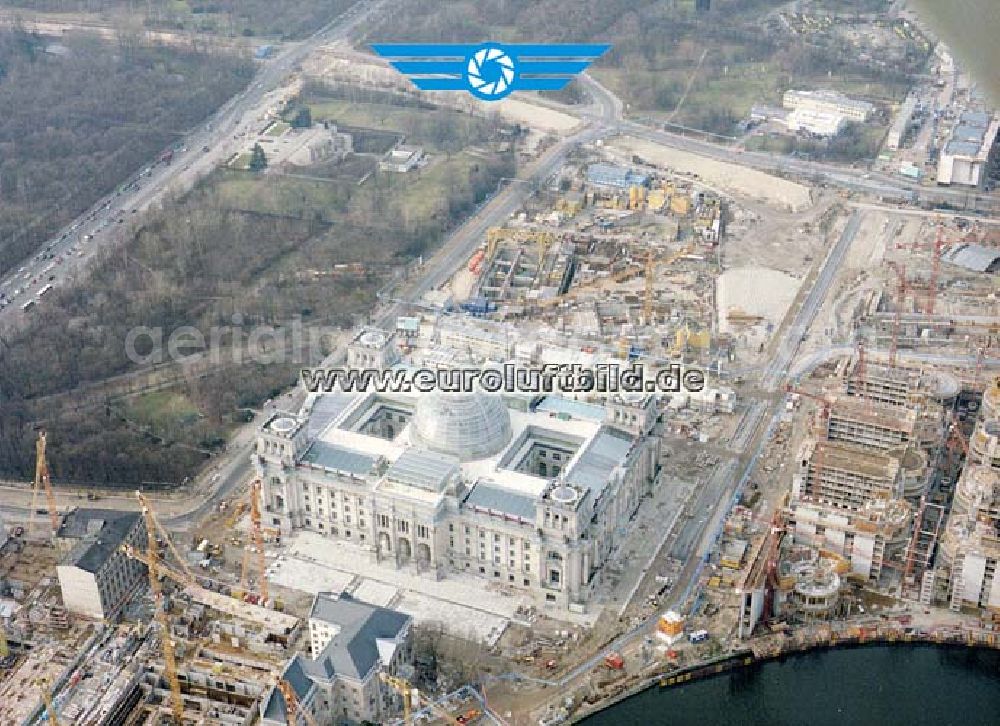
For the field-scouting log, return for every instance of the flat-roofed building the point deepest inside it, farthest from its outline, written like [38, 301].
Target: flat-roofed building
[828, 102]
[965, 158]
[844, 475]
[969, 554]
[402, 159]
[867, 423]
[895, 385]
[818, 123]
[96, 577]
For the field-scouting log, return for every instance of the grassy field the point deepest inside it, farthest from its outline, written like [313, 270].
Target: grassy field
[163, 411]
[278, 128]
[242, 161]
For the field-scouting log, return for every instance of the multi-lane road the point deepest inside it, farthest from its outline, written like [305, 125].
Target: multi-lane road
[60, 259]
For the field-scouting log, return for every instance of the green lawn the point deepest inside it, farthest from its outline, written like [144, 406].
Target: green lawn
[278, 128]
[162, 409]
[242, 161]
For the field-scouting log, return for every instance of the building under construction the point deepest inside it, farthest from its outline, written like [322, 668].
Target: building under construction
[964, 576]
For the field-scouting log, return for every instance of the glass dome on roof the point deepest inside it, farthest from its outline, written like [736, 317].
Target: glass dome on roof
[468, 426]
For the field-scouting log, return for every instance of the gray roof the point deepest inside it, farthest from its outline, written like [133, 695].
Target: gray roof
[326, 408]
[425, 470]
[296, 673]
[973, 257]
[100, 531]
[614, 175]
[968, 133]
[962, 148]
[575, 409]
[337, 458]
[975, 118]
[593, 468]
[353, 651]
[496, 499]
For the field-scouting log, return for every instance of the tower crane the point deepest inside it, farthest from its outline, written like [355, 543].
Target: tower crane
[898, 317]
[935, 269]
[50, 709]
[147, 508]
[411, 697]
[861, 374]
[647, 308]
[292, 705]
[162, 617]
[42, 481]
[257, 536]
[956, 439]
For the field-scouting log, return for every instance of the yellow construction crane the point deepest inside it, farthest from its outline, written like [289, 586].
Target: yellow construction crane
[541, 238]
[292, 706]
[42, 481]
[411, 697]
[50, 709]
[257, 537]
[151, 518]
[152, 561]
[621, 276]
[647, 308]
[406, 692]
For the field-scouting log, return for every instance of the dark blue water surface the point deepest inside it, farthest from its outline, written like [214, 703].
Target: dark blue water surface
[878, 685]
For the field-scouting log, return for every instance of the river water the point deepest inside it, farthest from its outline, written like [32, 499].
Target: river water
[902, 685]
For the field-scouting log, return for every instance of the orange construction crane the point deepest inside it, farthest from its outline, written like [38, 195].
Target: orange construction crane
[935, 269]
[937, 247]
[257, 537]
[977, 375]
[775, 537]
[42, 481]
[162, 617]
[956, 440]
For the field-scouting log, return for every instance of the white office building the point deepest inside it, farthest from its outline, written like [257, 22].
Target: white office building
[828, 103]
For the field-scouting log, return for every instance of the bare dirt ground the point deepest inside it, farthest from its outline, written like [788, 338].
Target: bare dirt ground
[730, 177]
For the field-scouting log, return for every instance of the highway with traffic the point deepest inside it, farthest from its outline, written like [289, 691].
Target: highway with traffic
[63, 258]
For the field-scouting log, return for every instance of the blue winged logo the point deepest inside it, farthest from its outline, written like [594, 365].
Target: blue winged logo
[490, 71]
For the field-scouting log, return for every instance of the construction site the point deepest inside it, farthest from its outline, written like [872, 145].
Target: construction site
[874, 492]
[531, 557]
